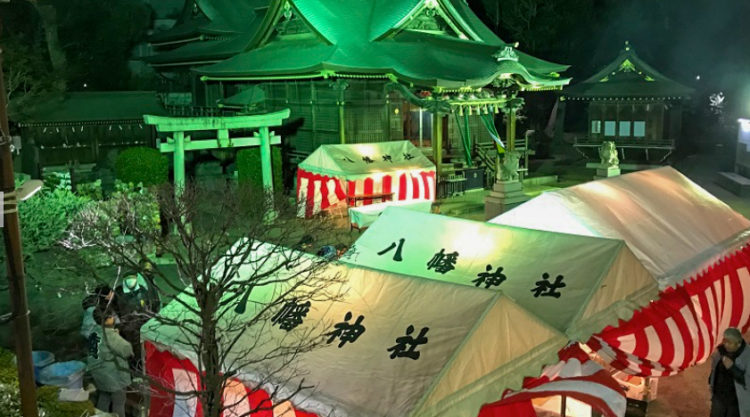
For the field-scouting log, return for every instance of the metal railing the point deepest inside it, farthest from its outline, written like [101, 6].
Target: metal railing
[626, 143]
[487, 155]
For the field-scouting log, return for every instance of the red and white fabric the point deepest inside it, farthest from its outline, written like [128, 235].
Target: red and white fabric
[575, 376]
[173, 376]
[342, 172]
[319, 192]
[684, 325]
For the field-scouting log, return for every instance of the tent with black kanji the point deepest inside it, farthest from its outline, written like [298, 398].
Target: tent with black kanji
[361, 174]
[576, 284]
[694, 245]
[392, 345]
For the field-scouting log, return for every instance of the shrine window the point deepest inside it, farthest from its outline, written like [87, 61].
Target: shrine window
[610, 128]
[596, 127]
[624, 129]
[639, 129]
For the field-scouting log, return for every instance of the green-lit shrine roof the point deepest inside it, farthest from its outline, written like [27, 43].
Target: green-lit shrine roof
[90, 107]
[201, 53]
[213, 19]
[628, 76]
[383, 38]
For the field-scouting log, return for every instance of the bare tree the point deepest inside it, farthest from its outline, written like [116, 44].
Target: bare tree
[237, 275]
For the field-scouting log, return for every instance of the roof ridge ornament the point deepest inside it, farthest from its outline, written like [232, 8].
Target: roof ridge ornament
[506, 54]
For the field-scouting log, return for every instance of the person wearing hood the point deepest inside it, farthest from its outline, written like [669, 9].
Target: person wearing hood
[729, 382]
[107, 362]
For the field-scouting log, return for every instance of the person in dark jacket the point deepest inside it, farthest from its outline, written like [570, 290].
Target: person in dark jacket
[730, 396]
[137, 301]
[101, 297]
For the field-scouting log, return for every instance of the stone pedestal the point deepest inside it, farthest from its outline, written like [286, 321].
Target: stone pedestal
[606, 172]
[504, 196]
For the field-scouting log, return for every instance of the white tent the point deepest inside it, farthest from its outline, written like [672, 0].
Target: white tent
[478, 343]
[672, 225]
[603, 280]
[363, 173]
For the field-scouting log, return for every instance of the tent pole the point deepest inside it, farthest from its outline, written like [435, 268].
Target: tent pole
[563, 405]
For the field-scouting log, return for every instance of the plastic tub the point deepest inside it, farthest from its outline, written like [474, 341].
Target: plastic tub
[41, 359]
[63, 374]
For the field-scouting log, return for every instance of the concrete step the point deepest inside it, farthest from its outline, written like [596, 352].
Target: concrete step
[735, 183]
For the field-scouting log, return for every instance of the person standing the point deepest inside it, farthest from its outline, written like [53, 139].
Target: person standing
[101, 298]
[108, 363]
[729, 382]
[137, 302]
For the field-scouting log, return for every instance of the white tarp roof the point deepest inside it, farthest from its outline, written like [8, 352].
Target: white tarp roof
[479, 343]
[672, 225]
[603, 280]
[353, 160]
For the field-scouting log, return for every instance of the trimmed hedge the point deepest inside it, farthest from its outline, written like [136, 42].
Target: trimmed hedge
[249, 168]
[142, 165]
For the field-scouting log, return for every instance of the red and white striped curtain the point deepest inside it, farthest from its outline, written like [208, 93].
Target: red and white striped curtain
[575, 376]
[316, 192]
[319, 192]
[181, 376]
[684, 325]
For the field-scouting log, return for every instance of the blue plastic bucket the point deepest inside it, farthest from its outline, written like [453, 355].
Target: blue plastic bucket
[41, 359]
[63, 374]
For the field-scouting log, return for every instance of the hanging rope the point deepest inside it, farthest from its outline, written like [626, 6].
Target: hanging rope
[489, 123]
[464, 140]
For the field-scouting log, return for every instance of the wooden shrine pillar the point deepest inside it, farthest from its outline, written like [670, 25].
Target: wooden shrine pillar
[437, 143]
[340, 87]
[510, 129]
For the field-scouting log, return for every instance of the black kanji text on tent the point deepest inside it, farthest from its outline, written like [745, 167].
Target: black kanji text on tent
[396, 256]
[399, 350]
[347, 332]
[291, 315]
[545, 288]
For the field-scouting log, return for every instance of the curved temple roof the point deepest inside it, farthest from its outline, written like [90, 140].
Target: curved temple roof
[378, 38]
[628, 76]
[200, 18]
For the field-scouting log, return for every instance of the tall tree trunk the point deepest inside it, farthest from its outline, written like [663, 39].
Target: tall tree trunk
[48, 15]
[213, 381]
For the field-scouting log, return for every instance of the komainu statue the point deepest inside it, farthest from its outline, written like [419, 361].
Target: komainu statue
[608, 155]
[508, 167]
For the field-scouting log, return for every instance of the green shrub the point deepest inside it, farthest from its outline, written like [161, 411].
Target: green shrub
[142, 165]
[8, 372]
[54, 180]
[46, 216]
[249, 169]
[47, 399]
[91, 190]
[20, 178]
